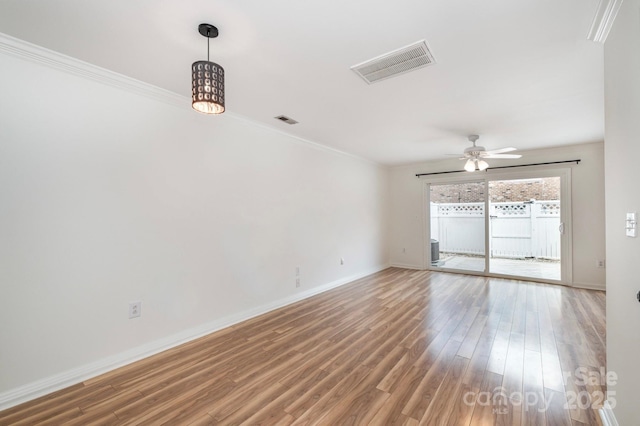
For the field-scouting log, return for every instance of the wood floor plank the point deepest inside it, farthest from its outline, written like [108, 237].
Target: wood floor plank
[498, 355]
[321, 407]
[446, 395]
[463, 406]
[470, 341]
[579, 408]
[533, 413]
[465, 325]
[532, 333]
[37, 404]
[390, 413]
[120, 400]
[484, 412]
[79, 396]
[399, 347]
[51, 417]
[184, 408]
[552, 373]
[204, 420]
[514, 366]
[406, 362]
[275, 411]
[153, 401]
[357, 408]
[426, 390]
[519, 323]
[556, 414]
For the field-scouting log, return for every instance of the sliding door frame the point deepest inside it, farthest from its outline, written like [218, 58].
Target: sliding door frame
[566, 249]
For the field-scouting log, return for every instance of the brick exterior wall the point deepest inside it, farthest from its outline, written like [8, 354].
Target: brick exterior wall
[499, 191]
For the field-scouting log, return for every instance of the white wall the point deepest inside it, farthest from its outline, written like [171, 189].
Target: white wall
[407, 239]
[622, 150]
[110, 197]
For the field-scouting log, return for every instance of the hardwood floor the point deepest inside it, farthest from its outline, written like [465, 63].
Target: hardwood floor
[398, 347]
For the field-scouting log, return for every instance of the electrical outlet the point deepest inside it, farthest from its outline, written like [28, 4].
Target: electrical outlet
[297, 271]
[600, 263]
[135, 309]
[297, 282]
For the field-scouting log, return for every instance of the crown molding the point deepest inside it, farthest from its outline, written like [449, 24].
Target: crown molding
[58, 61]
[40, 55]
[603, 20]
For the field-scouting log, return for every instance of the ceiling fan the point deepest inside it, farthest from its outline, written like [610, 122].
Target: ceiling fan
[475, 155]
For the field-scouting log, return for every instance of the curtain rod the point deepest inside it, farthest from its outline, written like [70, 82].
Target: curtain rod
[502, 167]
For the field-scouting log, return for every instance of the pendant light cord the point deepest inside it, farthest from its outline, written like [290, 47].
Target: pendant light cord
[208, 38]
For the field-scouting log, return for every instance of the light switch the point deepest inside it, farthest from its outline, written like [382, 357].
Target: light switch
[631, 225]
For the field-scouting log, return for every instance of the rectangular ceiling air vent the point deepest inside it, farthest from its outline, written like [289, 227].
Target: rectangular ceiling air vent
[286, 119]
[400, 61]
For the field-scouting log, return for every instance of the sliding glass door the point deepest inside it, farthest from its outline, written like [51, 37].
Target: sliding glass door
[458, 226]
[525, 227]
[505, 224]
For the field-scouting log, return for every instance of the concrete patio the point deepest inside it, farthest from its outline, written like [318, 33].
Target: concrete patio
[532, 268]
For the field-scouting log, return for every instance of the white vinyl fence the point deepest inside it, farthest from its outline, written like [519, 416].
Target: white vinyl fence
[518, 230]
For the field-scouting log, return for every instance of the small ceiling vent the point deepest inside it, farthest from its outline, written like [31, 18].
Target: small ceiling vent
[286, 119]
[409, 58]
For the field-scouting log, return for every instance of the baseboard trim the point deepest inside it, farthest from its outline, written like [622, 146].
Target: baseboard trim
[607, 416]
[590, 286]
[406, 266]
[80, 374]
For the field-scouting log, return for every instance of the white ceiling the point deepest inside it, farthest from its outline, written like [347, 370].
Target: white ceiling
[519, 73]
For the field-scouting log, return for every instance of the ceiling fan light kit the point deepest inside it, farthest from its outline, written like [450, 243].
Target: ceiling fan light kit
[475, 155]
[207, 79]
[470, 165]
[474, 164]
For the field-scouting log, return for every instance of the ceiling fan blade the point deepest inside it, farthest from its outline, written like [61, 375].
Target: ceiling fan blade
[500, 151]
[458, 155]
[502, 156]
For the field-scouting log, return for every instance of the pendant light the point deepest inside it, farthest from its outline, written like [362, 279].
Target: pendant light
[207, 79]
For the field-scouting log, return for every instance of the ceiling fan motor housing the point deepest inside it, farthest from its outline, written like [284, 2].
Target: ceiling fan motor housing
[474, 151]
